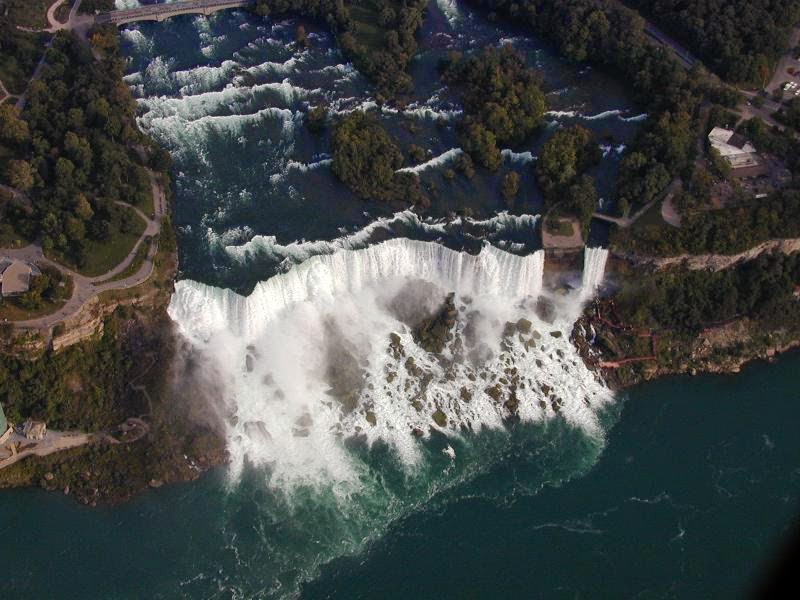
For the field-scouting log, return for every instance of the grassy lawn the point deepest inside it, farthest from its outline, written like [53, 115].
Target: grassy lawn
[651, 217]
[102, 257]
[367, 31]
[136, 264]
[28, 13]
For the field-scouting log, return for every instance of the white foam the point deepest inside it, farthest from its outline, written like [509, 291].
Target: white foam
[594, 268]
[268, 248]
[437, 161]
[138, 39]
[451, 11]
[294, 165]
[518, 157]
[204, 78]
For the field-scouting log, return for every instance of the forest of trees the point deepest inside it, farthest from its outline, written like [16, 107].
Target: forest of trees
[688, 301]
[740, 40]
[366, 159]
[19, 53]
[719, 231]
[71, 151]
[613, 36]
[502, 98]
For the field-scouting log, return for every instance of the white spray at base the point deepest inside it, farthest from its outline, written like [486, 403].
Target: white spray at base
[327, 353]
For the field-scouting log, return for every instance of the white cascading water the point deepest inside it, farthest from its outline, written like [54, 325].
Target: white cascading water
[594, 268]
[326, 352]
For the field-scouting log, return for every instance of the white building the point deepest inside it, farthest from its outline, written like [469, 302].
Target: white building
[734, 148]
[15, 276]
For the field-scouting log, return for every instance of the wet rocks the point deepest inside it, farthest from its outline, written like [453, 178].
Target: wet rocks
[439, 418]
[545, 309]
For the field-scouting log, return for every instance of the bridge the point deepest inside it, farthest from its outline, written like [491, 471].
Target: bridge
[161, 12]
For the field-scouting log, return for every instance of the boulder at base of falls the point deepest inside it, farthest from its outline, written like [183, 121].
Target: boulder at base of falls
[440, 418]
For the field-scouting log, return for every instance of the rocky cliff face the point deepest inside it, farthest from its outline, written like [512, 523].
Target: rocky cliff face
[712, 262]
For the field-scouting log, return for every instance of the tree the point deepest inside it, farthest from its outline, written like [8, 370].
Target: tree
[503, 102]
[315, 119]
[481, 144]
[366, 158]
[13, 130]
[83, 210]
[568, 153]
[19, 174]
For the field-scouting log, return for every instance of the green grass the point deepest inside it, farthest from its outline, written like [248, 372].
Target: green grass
[136, 264]
[102, 257]
[28, 13]
[652, 216]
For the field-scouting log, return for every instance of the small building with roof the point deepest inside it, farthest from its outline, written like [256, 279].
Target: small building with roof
[738, 152]
[15, 276]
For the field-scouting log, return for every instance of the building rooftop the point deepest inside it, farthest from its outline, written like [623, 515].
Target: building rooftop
[15, 277]
[734, 148]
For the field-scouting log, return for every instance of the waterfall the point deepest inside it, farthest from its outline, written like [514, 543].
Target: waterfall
[331, 350]
[594, 267]
[201, 310]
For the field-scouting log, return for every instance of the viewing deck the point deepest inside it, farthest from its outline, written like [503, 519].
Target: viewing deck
[162, 12]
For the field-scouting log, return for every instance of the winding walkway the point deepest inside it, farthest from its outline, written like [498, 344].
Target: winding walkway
[85, 288]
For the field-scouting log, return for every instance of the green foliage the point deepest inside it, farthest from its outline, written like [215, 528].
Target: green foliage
[51, 287]
[608, 34]
[366, 159]
[567, 154]
[316, 118]
[739, 39]
[19, 53]
[725, 231]
[503, 102]
[19, 174]
[75, 389]
[74, 159]
[687, 301]
[14, 131]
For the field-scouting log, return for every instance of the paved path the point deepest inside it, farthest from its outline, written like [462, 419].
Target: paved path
[623, 221]
[85, 288]
[132, 430]
[4, 93]
[54, 441]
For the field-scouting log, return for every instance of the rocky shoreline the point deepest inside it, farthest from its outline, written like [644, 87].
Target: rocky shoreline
[724, 349]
